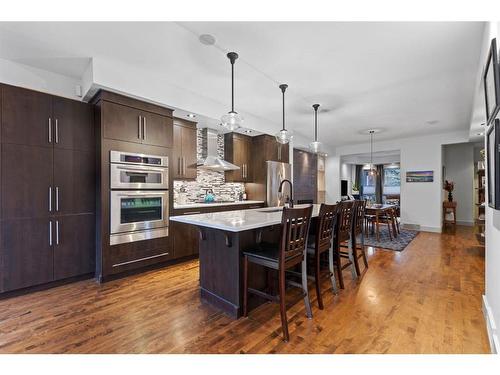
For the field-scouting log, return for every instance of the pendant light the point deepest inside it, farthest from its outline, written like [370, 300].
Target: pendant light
[315, 146]
[373, 171]
[232, 120]
[283, 136]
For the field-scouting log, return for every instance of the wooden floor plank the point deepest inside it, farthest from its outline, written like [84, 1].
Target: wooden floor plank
[426, 299]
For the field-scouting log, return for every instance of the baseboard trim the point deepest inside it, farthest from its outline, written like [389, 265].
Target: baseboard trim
[466, 223]
[491, 327]
[421, 228]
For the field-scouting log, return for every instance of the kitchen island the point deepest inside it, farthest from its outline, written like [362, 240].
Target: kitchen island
[223, 238]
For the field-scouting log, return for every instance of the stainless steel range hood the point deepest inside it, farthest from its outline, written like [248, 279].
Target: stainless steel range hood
[210, 159]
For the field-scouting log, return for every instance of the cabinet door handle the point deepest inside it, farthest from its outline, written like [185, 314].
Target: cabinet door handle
[50, 232]
[244, 171]
[50, 130]
[50, 198]
[57, 198]
[57, 232]
[183, 166]
[143, 127]
[139, 127]
[57, 131]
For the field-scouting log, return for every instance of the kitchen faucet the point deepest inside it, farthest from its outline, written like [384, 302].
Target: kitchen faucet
[280, 189]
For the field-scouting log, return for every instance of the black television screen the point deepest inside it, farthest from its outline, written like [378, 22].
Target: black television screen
[343, 188]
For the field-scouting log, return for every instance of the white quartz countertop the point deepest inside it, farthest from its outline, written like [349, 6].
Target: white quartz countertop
[215, 204]
[239, 220]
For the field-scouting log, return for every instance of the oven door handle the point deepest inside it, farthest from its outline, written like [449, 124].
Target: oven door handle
[143, 169]
[142, 195]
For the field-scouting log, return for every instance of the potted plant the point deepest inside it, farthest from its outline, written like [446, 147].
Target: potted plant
[449, 186]
[355, 188]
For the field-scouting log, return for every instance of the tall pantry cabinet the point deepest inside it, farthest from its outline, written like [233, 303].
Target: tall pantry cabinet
[47, 188]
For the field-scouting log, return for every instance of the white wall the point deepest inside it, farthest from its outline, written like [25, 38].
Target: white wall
[491, 298]
[459, 168]
[16, 74]
[421, 203]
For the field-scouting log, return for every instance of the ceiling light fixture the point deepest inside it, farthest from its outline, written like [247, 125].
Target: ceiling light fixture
[191, 115]
[207, 39]
[283, 136]
[232, 120]
[373, 171]
[315, 146]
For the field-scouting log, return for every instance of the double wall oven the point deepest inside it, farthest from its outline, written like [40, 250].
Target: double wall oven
[139, 197]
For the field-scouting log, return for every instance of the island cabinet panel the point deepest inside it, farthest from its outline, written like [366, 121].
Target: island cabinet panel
[238, 151]
[44, 181]
[305, 176]
[184, 160]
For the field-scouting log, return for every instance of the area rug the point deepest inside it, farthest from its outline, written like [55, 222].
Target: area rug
[397, 244]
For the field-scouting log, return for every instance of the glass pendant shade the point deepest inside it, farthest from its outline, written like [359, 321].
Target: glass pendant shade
[231, 121]
[315, 146]
[284, 136]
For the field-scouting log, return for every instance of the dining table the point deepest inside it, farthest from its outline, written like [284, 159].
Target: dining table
[378, 211]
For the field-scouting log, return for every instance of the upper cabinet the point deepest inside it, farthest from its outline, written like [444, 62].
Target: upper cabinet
[184, 156]
[271, 149]
[130, 124]
[238, 151]
[130, 120]
[36, 119]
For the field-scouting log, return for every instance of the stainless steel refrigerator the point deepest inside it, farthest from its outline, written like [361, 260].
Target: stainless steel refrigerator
[277, 172]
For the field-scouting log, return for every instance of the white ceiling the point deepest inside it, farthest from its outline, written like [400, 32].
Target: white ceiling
[393, 76]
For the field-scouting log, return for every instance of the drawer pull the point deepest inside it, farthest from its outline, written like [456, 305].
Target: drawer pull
[139, 260]
[192, 212]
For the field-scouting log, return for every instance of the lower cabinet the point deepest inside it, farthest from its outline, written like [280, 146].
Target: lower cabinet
[27, 258]
[38, 251]
[133, 255]
[74, 245]
[184, 239]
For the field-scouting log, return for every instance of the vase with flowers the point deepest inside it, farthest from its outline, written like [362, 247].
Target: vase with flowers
[449, 186]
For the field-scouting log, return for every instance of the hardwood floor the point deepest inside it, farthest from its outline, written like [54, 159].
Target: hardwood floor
[426, 299]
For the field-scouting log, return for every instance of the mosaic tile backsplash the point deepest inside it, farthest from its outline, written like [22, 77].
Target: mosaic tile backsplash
[195, 190]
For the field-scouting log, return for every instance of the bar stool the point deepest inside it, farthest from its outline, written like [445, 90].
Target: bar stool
[343, 238]
[359, 231]
[322, 242]
[289, 252]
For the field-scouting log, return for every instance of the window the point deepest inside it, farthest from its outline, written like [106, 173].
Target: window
[391, 177]
[368, 185]
[392, 185]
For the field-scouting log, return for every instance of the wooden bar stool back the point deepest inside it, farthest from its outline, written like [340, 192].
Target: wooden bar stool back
[359, 233]
[290, 251]
[326, 225]
[343, 234]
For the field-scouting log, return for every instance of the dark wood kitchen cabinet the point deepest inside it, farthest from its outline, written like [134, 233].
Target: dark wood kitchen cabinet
[125, 123]
[268, 149]
[184, 155]
[26, 117]
[27, 257]
[305, 176]
[238, 151]
[47, 216]
[74, 245]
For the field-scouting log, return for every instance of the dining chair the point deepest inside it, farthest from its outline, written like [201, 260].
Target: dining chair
[358, 232]
[284, 256]
[320, 243]
[345, 222]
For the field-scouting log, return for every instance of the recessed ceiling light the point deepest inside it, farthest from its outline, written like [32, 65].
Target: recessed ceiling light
[248, 131]
[483, 123]
[479, 133]
[432, 122]
[207, 39]
[191, 115]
